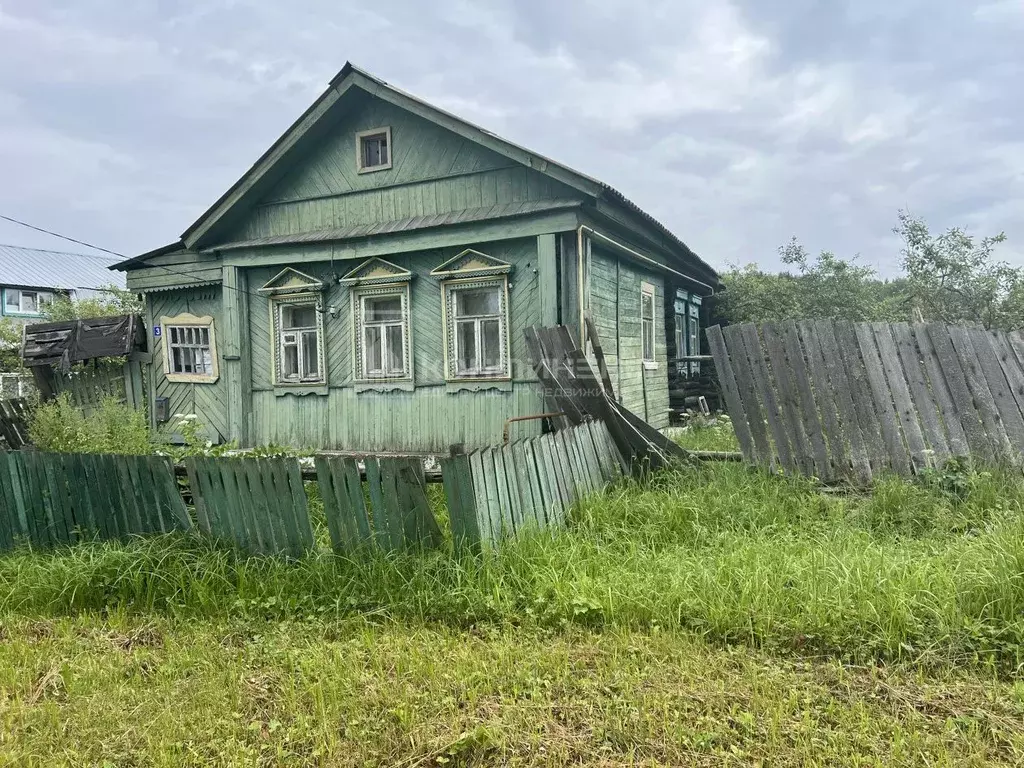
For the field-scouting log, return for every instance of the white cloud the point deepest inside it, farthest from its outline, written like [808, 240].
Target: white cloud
[737, 127]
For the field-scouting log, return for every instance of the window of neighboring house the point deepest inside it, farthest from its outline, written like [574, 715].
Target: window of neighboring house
[374, 149]
[647, 321]
[190, 353]
[382, 333]
[26, 302]
[477, 329]
[299, 329]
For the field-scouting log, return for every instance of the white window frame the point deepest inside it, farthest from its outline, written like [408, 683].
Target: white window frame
[451, 289]
[277, 306]
[42, 299]
[360, 371]
[650, 361]
[187, 321]
[360, 136]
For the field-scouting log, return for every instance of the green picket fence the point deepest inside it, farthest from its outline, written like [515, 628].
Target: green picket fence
[260, 505]
[399, 515]
[497, 493]
[55, 499]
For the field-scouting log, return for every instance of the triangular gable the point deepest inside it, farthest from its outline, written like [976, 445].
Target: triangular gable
[272, 166]
[376, 271]
[312, 124]
[290, 280]
[471, 263]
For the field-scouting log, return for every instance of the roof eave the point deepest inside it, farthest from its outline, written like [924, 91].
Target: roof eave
[137, 261]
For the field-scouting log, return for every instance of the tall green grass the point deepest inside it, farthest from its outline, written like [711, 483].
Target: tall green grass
[908, 572]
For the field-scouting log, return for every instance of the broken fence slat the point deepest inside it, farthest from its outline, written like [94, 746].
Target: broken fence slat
[999, 387]
[882, 399]
[743, 370]
[808, 411]
[982, 396]
[730, 390]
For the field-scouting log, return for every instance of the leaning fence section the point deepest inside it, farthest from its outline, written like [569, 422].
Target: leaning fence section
[260, 506]
[848, 402]
[390, 511]
[497, 493]
[56, 499]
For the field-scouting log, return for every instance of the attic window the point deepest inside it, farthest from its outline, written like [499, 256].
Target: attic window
[373, 150]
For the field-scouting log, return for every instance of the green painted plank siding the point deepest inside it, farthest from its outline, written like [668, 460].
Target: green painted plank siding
[615, 307]
[428, 420]
[425, 306]
[158, 278]
[208, 402]
[434, 170]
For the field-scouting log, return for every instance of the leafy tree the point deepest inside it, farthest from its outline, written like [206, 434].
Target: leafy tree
[111, 301]
[953, 278]
[10, 346]
[827, 286]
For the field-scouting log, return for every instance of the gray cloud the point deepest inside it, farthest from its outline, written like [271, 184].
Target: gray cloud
[739, 124]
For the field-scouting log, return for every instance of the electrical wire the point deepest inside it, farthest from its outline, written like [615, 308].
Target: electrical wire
[62, 237]
[122, 256]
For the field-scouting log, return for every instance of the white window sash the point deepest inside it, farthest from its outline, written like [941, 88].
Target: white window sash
[477, 367]
[296, 337]
[647, 326]
[189, 346]
[362, 328]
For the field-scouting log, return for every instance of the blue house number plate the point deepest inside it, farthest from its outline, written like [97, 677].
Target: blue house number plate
[156, 331]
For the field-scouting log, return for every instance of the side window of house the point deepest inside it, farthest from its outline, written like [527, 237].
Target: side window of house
[190, 353]
[298, 327]
[681, 325]
[694, 337]
[476, 331]
[381, 326]
[647, 321]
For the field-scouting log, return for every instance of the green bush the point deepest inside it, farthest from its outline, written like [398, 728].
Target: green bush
[114, 427]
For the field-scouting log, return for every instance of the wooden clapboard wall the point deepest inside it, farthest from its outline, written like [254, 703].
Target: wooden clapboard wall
[497, 493]
[848, 402]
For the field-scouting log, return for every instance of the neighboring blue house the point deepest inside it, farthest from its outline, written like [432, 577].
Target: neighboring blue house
[30, 277]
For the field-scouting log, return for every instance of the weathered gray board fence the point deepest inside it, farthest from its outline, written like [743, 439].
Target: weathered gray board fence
[260, 505]
[847, 402]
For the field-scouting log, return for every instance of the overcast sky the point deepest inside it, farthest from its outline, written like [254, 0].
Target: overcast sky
[739, 124]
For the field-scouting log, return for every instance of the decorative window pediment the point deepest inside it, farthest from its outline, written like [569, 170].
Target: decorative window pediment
[471, 263]
[289, 281]
[376, 272]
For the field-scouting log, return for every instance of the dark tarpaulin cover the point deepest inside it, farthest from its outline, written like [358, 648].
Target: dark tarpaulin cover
[75, 341]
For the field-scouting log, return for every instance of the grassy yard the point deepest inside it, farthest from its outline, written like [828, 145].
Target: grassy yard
[716, 615]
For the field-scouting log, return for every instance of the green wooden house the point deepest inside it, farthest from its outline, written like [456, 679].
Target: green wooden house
[365, 285]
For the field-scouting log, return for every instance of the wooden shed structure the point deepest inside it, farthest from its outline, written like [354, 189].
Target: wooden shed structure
[366, 284]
